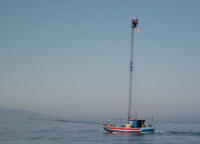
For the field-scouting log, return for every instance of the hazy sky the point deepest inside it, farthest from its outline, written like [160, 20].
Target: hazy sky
[71, 57]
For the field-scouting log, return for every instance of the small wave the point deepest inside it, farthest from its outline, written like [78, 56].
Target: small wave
[195, 133]
[185, 132]
[67, 121]
[161, 131]
[74, 121]
[33, 138]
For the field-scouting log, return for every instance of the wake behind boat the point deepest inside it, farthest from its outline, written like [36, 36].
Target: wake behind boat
[133, 125]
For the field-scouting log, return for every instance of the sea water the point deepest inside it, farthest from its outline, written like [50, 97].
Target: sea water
[24, 129]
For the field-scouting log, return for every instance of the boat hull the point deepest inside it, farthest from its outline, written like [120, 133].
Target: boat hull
[111, 129]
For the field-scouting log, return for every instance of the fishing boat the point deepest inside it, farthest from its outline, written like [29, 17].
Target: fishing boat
[133, 124]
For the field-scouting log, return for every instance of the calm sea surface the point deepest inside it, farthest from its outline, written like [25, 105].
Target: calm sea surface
[28, 130]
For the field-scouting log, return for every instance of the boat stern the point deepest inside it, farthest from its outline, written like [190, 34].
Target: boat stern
[148, 129]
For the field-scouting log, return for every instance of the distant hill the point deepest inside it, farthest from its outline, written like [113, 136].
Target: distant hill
[13, 113]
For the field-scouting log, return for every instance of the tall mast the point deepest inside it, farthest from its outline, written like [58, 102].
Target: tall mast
[133, 25]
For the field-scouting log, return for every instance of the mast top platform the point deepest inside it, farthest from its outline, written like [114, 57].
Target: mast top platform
[134, 22]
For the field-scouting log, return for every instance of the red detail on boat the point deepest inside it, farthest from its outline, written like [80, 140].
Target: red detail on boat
[133, 119]
[121, 128]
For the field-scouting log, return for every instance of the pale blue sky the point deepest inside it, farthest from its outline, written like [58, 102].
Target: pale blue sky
[71, 57]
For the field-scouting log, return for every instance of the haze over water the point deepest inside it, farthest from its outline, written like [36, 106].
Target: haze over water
[71, 58]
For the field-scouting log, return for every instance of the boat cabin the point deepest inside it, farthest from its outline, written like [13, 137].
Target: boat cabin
[136, 123]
